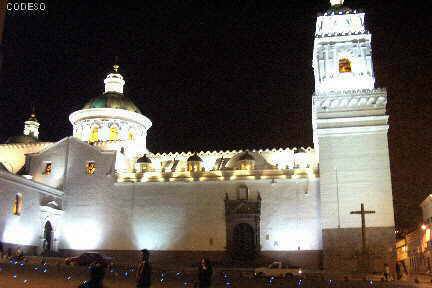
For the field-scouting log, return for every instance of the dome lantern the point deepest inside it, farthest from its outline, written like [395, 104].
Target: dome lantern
[336, 2]
[114, 81]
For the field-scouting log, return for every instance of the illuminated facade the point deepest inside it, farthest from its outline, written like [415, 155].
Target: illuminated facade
[350, 127]
[101, 189]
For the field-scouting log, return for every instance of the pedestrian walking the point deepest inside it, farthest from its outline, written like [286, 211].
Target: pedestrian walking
[97, 274]
[398, 271]
[205, 273]
[143, 278]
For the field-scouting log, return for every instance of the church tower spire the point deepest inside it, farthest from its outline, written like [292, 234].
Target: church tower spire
[31, 126]
[350, 126]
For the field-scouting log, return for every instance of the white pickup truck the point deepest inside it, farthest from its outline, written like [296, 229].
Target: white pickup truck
[276, 270]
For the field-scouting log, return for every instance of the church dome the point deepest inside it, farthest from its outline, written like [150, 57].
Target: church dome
[111, 117]
[144, 160]
[194, 158]
[113, 100]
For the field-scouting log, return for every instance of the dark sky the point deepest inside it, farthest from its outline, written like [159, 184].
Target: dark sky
[215, 75]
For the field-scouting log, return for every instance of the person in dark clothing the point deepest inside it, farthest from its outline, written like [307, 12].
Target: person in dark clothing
[205, 273]
[1, 250]
[398, 271]
[143, 278]
[97, 274]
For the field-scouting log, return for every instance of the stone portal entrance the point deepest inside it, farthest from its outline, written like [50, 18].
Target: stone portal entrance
[243, 242]
[48, 233]
[242, 223]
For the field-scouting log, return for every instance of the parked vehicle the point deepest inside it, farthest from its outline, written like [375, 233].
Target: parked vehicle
[277, 270]
[88, 258]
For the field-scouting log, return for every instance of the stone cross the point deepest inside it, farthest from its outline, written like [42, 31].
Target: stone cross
[363, 213]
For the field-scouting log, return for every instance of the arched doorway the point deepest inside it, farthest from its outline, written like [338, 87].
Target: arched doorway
[48, 233]
[243, 242]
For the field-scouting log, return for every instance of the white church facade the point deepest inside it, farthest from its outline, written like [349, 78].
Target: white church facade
[102, 190]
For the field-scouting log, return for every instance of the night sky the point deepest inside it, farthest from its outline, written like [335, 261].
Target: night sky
[217, 75]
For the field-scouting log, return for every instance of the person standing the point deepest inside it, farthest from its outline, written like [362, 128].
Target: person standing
[97, 274]
[386, 272]
[143, 278]
[205, 273]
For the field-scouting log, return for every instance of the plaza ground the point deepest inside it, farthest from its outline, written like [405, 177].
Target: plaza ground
[37, 275]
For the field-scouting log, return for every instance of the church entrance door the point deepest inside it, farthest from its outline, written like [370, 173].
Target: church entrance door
[48, 232]
[243, 242]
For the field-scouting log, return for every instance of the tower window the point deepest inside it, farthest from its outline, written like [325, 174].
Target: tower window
[94, 135]
[17, 205]
[114, 133]
[344, 65]
[47, 169]
[90, 168]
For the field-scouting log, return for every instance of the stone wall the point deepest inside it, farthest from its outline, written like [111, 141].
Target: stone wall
[101, 214]
[342, 249]
[23, 229]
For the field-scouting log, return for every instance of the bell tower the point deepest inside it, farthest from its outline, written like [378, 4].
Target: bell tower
[350, 127]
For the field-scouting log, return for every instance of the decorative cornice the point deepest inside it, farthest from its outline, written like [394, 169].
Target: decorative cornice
[14, 146]
[343, 131]
[228, 152]
[350, 100]
[109, 113]
[45, 189]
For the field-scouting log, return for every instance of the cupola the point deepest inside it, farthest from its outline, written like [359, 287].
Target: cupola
[194, 163]
[143, 164]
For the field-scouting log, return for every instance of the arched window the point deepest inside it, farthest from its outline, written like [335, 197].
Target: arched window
[94, 134]
[17, 204]
[344, 65]
[114, 133]
[131, 136]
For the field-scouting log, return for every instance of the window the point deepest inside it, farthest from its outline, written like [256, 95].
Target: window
[47, 169]
[90, 168]
[114, 133]
[17, 205]
[94, 135]
[344, 65]
[194, 166]
[131, 136]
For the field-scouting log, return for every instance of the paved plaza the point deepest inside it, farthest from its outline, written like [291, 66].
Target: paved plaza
[51, 275]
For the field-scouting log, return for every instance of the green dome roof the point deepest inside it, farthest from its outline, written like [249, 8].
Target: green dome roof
[112, 100]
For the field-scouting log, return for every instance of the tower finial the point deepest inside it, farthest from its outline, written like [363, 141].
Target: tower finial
[116, 66]
[336, 2]
[33, 114]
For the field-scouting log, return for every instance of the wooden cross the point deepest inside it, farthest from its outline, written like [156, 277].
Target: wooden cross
[363, 213]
